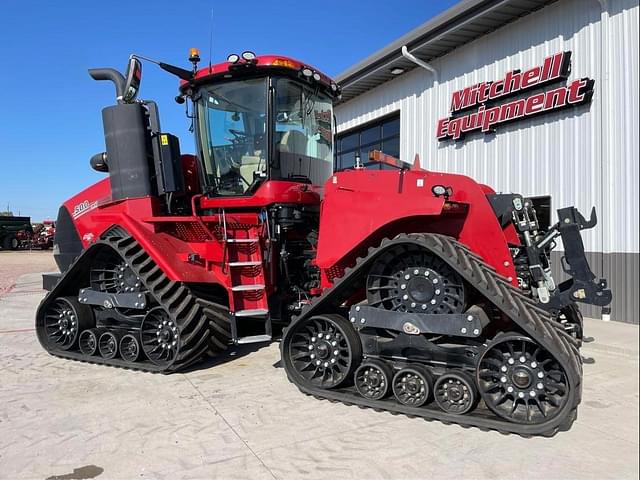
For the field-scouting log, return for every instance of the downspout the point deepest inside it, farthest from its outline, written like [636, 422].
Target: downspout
[605, 173]
[436, 82]
[420, 63]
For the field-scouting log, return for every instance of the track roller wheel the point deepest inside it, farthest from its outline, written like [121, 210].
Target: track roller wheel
[108, 344]
[160, 337]
[413, 385]
[522, 382]
[130, 348]
[322, 351]
[373, 379]
[88, 341]
[455, 392]
[64, 318]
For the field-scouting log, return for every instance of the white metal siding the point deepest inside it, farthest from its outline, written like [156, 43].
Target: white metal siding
[582, 156]
[621, 157]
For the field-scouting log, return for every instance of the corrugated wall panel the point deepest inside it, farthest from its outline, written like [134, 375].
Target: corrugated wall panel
[582, 156]
[620, 172]
[621, 139]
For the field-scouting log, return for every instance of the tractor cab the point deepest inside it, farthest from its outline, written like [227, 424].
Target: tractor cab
[261, 118]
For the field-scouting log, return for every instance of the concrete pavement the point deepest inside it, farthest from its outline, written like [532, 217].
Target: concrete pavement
[241, 418]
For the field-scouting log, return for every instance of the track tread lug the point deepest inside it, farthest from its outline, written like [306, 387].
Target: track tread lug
[186, 339]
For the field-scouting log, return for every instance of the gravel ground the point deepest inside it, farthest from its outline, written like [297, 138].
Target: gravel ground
[14, 264]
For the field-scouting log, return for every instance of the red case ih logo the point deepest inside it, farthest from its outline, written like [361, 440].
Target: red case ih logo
[486, 117]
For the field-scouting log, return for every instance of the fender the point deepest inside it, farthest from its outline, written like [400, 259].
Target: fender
[93, 213]
[362, 204]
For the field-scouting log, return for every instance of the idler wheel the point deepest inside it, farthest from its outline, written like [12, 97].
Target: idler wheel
[408, 279]
[110, 273]
[64, 319]
[521, 381]
[322, 351]
[160, 337]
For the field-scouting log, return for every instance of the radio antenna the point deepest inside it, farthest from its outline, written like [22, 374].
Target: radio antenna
[210, 39]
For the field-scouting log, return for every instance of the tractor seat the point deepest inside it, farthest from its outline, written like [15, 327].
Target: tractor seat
[249, 165]
[293, 141]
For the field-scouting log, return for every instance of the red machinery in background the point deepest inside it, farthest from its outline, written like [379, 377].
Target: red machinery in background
[43, 235]
[18, 233]
[401, 289]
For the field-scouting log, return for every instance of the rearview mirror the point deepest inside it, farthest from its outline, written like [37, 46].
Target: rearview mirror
[133, 76]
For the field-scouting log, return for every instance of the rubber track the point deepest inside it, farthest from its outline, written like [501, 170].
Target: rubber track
[204, 330]
[522, 310]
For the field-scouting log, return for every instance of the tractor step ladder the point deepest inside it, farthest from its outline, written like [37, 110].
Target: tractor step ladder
[245, 269]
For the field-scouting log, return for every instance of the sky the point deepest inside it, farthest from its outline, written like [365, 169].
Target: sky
[50, 112]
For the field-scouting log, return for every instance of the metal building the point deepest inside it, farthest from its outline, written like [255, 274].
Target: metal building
[577, 140]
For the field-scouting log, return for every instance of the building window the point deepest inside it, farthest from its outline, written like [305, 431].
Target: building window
[382, 134]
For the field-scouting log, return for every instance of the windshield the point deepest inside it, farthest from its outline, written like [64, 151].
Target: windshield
[233, 126]
[303, 134]
[232, 119]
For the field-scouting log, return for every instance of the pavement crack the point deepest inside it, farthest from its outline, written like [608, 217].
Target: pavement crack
[230, 427]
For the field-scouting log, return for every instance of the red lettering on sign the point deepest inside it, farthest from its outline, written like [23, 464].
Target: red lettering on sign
[486, 117]
[531, 77]
[512, 110]
[555, 98]
[441, 131]
[574, 91]
[534, 104]
[494, 92]
[460, 99]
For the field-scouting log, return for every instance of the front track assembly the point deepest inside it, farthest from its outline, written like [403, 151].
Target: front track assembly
[527, 382]
[165, 327]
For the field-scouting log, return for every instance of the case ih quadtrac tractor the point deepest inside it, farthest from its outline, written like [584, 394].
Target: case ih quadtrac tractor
[397, 288]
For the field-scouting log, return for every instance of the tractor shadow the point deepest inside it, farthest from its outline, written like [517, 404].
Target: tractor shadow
[233, 353]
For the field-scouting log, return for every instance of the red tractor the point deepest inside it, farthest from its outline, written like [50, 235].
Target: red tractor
[400, 289]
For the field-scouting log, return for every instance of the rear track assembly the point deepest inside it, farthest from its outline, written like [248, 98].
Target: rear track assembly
[178, 328]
